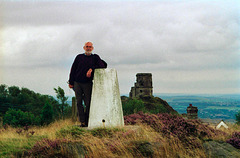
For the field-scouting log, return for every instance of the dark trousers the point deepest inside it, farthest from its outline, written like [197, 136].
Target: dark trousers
[83, 92]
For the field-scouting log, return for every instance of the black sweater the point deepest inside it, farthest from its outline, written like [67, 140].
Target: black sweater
[82, 64]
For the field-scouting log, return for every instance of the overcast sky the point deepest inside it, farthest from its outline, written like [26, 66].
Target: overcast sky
[188, 46]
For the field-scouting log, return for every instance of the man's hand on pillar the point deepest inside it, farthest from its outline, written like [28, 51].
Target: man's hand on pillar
[89, 73]
[70, 86]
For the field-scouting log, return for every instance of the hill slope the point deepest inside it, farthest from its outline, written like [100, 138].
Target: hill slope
[152, 103]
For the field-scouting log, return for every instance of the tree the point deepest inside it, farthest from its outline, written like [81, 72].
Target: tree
[63, 100]
[47, 114]
[3, 94]
[14, 91]
[3, 90]
[25, 100]
[237, 115]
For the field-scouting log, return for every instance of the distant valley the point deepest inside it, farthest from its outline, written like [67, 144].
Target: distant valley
[209, 106]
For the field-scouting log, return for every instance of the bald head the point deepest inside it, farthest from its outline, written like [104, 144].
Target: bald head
[88, 47]
[88, 43]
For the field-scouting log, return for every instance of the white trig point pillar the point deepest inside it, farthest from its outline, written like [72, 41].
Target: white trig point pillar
[106, 105]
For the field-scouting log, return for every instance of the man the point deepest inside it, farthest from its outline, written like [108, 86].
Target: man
[80, 79]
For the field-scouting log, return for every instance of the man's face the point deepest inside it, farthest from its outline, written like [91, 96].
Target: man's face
[88, 47]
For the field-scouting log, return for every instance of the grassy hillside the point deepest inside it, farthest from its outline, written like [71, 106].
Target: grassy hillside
[148, 104]
[144, 135]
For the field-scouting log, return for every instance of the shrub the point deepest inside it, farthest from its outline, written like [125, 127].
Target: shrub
[235, 140]
[18, 118]
[173, 125]
[145, 104]
[206, 131]
[237, 115]
[43, 147]
[57, 148]
[47, 114]
[133, 106]
[158, 109]
[70, 131]
[1, 122]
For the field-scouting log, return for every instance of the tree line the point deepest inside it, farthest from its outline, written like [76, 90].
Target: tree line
[22, 106]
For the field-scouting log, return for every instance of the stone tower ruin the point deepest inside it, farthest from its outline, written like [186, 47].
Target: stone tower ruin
[143, 86]
[192, 112]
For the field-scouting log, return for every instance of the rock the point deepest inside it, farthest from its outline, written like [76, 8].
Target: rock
[218, 149]
[144, 147]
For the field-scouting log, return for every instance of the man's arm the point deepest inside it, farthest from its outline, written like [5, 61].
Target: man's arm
[99, 62]
[72, 73]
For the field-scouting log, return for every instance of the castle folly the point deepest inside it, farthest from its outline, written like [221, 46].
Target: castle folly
[192, 112]
[143, 86]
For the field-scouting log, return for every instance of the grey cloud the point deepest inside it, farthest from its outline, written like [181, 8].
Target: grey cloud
[130, 36]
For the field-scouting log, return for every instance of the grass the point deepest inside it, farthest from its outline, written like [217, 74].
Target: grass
[16, 146]
[131, 141]
[13, 144]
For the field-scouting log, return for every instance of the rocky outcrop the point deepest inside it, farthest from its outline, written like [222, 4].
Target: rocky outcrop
[219, 149]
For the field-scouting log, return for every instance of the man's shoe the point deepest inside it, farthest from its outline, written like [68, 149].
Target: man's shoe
[83, 125]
